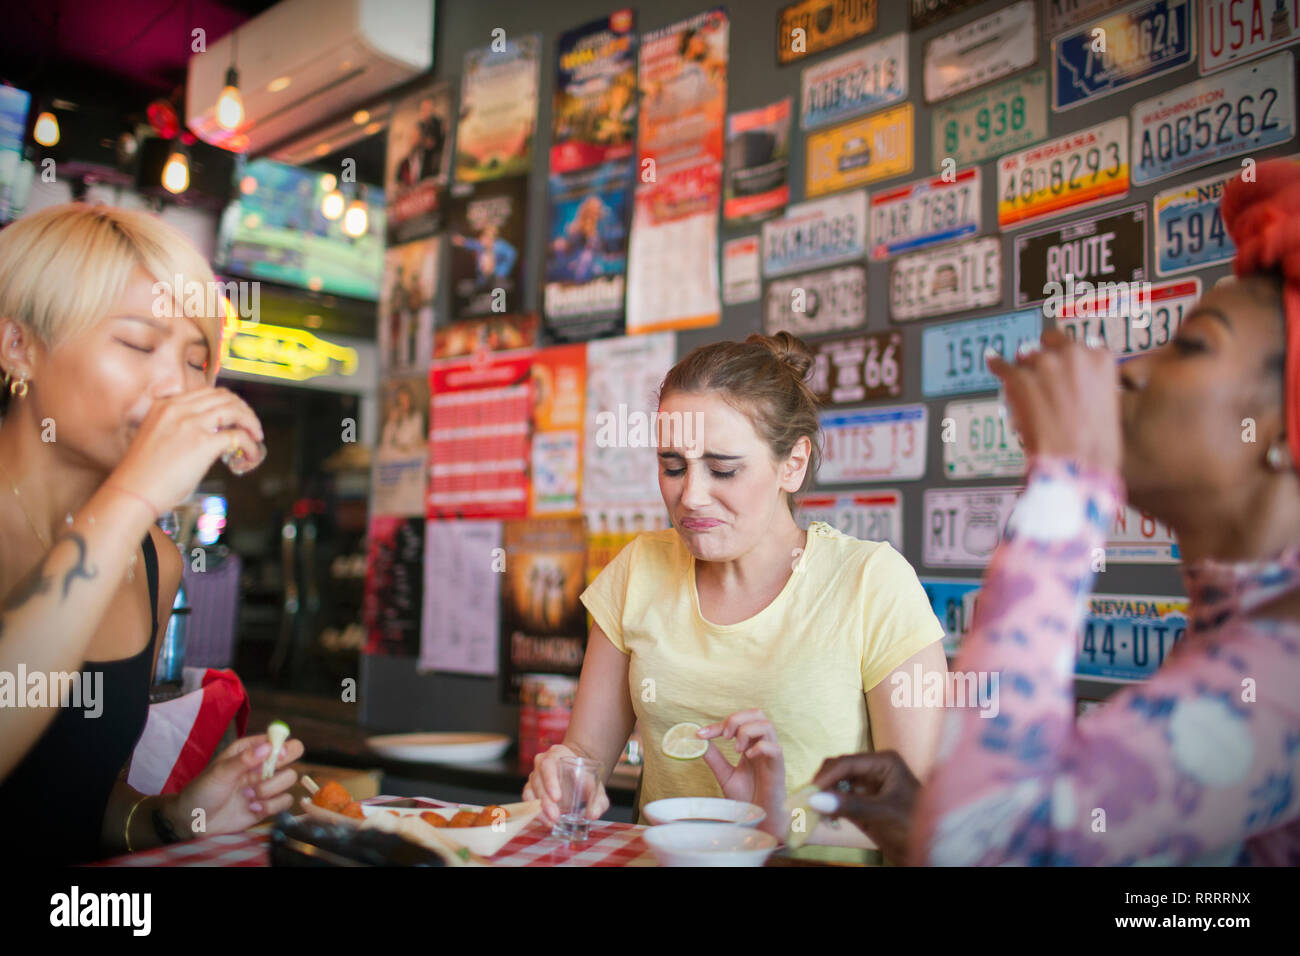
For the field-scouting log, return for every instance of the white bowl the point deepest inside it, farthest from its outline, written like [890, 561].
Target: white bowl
[441, 748]
[708, 844]
[703, 810]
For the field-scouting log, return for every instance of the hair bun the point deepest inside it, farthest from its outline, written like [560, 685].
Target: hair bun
[788, 349]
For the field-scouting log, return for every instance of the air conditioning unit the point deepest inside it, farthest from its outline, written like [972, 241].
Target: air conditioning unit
[304, 62]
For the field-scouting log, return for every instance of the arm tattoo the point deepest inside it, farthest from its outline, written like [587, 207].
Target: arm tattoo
[38, 582]
[80, 569]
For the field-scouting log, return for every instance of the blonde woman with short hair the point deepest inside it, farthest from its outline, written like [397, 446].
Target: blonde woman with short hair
[109, 418]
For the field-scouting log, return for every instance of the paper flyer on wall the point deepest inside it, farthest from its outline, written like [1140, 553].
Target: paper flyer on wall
[463, 568]
[619, 463]
[500, 333]
[586, 252]
[543, 624]
[673, 249]
[594, 107]
[498, 109]
[486, 226]
[478, 442]
[559, 404]
[391, 602]
[400, 470]
[406, 301]
[418, 163]
[758, 163]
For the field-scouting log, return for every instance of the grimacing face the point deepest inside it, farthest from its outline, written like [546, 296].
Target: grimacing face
[1183, 405]
[723, 488]
[98, 386]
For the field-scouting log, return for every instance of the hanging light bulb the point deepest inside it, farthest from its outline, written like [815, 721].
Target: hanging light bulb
[176, 173]
[230, 105]
[357, 219]
[46, 130]
[331, 206]
[328, 181]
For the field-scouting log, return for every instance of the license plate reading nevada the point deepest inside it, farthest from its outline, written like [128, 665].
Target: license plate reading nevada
[1070, 172]
[1240, 111]
[865, 515]
[874, 444]
[1126, 637]
[925, 213]
[953, 354]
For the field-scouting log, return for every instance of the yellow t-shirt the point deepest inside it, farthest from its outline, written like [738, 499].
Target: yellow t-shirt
[850, 613]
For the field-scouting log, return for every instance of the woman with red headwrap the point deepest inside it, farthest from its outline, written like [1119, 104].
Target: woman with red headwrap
[1200, 764]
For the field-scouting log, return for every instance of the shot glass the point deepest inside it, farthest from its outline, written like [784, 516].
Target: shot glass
[579, 782]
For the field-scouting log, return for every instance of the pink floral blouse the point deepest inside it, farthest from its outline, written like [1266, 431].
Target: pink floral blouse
[1198, 765]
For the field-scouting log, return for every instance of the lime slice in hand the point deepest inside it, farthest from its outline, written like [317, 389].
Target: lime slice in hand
[680, 742]
[801, 819]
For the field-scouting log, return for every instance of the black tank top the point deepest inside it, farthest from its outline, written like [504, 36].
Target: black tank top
[53, 802]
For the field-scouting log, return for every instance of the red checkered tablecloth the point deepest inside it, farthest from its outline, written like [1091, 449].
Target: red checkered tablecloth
[608, 844]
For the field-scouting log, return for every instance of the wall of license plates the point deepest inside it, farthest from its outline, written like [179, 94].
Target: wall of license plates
[905, 184]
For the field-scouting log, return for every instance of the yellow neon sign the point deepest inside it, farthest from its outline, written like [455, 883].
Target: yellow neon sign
[275, 351]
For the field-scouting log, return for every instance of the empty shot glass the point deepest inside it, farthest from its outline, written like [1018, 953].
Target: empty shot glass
[579, 783]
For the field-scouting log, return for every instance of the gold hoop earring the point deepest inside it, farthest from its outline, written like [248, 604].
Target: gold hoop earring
[18, 389]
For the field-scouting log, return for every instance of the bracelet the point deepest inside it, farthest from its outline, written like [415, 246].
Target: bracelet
[141, 498]
[126, 829]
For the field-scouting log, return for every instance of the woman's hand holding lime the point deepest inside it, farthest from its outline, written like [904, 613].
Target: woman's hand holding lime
[759, 774]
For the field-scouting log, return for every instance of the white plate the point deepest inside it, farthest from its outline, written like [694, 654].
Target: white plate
[709, 844]
[441, 748]
[702, 809]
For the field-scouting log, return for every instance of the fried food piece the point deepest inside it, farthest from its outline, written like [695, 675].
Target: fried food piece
[488, 815]
[433, 819]
[353, 809]
[465, 818]
[333, 796]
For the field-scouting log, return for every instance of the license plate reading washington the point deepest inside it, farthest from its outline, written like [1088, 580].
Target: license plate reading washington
[875, 444]
[822, 232]
[925, 213]
[1240, 111]
[865, 515]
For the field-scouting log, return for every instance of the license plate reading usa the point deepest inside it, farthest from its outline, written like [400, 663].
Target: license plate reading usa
[1240, 111]
[856, 82]
[1126, 637]
[966, 275]
[874, 444]
[817, 302]
[990, 121]
[982, 443]
[952, 359]
[925, 213]
[1234, 31]
[1073, 171]
[963, 527]
[1189, 229]
[1141, 43]
[953, 602]
[982, 51]
[1129, 328]
[866, 515]
[857, 368]
[817, 233]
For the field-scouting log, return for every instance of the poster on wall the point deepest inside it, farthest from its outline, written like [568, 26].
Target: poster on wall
[478, 442]
[485, 237]
[461, 624]
[594, 107]
[559, 402]
[619, 464]
[758, 161]
[586, 252]
[498, 110]
[501, 333]
[418, 163]
[543, 624]
[391, 604]
[673, 249]
[406, 306]
[400, 468]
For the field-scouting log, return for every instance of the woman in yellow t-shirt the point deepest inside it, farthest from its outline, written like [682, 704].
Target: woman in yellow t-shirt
[781, 641]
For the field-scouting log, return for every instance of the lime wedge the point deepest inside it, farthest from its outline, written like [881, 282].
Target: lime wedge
[801, 819]
[681, 743]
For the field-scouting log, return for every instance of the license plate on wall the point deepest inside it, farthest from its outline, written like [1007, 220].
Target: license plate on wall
[1073, 171]
[1127, 637]
[865, 515]
[817, 302]
[962, 276]
[990, 122]
[1190, 233]
[1127, 328]
[981, 51]
[856, 82]
[962, 527]
[863, 151]
[857, 368]
[983, 445]
[1106, 248]
[952, 359]
[953, 602]
[874, 444]
[824, 25]
[925, 213]
[1234, 31]
[817, 233]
